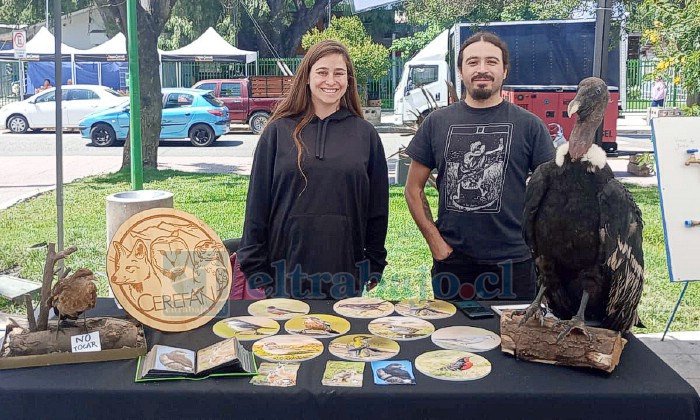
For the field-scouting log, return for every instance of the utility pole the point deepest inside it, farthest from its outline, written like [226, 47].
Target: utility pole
[600, 50]
[330, 6]
[47, 14]
[134, 97]
[58, 100]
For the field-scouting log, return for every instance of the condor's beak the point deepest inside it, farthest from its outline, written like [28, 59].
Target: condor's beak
[573, 107]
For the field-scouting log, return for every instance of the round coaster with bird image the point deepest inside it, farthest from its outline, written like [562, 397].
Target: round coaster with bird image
[363, 347]
[363, 307]
[246, 328]
[278, 309]
[465, 338]
[287, 348]
[453, 365]
[425, 308]
[403, 328]
[318, 325]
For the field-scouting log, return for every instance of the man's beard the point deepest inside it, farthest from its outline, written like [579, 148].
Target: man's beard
[481, 94]
[484, 93]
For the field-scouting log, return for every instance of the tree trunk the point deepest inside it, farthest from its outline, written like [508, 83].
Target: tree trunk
[151, 99]
[692, 99]
[150, 24]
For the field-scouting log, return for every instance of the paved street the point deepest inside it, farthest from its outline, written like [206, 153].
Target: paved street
[28, 161]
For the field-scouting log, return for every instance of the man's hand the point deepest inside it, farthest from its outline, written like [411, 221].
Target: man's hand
[441, 251]
[371, 284]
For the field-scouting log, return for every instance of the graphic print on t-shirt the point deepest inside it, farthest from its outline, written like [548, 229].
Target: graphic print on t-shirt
[476, 156]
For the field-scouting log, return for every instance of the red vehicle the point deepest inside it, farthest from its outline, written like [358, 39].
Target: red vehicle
[250, 101]
[551, 103]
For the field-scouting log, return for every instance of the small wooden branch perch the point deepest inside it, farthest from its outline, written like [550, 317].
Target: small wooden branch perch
[30, 312]
[538, 343]
[51, 258]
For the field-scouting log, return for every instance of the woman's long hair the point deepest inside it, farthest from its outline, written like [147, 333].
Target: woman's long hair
[298, 101]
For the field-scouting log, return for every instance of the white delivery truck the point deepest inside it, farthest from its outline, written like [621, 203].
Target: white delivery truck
[542, 53]
[428, 68]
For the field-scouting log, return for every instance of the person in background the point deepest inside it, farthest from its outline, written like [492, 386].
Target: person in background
[46, 85]
[658, 92]
[483, 149]
[318, 200]
[69, 81]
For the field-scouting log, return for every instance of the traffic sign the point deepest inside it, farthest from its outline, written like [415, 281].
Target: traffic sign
[19, 43]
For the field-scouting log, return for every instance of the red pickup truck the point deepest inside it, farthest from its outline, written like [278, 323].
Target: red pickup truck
[250, 101]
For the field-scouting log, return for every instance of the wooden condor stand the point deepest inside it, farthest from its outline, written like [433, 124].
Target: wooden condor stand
[538, 343]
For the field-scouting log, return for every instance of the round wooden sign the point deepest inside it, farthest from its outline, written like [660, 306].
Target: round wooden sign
[168, 269]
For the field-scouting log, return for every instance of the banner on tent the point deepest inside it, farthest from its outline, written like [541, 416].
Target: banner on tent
[364, 5]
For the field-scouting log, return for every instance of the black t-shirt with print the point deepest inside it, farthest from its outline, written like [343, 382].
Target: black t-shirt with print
[483, 157]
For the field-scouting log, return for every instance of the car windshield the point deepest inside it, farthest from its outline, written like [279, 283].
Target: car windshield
[108, 90]
[212, 100]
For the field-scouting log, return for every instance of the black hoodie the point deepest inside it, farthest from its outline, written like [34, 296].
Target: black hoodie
[334, 220]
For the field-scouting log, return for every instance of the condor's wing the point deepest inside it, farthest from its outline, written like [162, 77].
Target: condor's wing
[623, 258]
[536, 190]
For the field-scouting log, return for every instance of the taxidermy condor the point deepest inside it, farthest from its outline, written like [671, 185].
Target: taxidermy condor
[584, 229]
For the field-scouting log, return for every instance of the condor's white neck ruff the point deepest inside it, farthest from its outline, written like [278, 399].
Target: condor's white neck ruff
[595, 155]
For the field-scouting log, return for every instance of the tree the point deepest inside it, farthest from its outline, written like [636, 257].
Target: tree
[369, 59]
[284, 22]
[34, 11]
[150, 23]
[675, 37]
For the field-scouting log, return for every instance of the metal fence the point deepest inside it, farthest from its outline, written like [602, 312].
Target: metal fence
[639, 79]
[640, 82]
[187, 74]
[384, 87]
[9, 82]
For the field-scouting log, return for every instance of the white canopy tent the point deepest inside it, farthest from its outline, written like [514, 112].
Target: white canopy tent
[40, 47]
[210, 46]
[114, 49]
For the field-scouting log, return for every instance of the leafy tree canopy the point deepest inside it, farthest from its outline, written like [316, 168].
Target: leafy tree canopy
[675, 36]
[29, 12]
[368, 58]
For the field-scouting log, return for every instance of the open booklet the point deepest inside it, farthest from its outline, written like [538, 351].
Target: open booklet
[225, 358]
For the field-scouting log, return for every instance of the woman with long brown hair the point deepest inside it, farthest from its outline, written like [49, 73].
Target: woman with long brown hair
[317, 206]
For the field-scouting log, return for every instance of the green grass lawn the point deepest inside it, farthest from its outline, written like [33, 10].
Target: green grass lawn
[219, 200]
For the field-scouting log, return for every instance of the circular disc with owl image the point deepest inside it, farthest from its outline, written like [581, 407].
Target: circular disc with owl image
[168, 269]
[363, 307]
[287, 348]
[278, 309]
[246, 328]
[453, 365]
[403, 328]
[465, 338]
[363, 347]
[318, 325]
[425, 308]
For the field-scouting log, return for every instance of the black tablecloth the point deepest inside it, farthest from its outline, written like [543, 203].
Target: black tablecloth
[641, 387]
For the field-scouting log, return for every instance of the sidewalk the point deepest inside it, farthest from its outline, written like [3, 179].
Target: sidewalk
[15, 187]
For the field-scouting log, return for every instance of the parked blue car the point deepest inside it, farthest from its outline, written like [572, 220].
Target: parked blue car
[187, 113]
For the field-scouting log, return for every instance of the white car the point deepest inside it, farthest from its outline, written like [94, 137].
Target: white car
[39, 111]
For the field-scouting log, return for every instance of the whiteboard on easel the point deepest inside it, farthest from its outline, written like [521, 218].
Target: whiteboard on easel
[675, 139]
